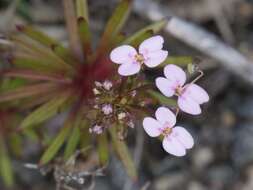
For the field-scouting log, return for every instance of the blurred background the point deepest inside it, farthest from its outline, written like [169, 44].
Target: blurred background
[222, 158]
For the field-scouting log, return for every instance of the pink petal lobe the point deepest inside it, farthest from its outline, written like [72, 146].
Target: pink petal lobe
[165, 86]
[173, 146]
[196, 93]
[155, 58]
[175, 74]
[128, 69]
[183, 136]
[151, 44]
[165, 116]
[151, 126]
[188, 105]
[123, 54]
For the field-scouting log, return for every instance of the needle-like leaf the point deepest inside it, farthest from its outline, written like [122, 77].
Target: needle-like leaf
[56, 144]
[72, 27]
[162, 99]
[26, 91]
[48, 42]
[103, 150]
[114, 25]
[44, 112]
[145, 33]
[5, 165]
[123, 153]
[74, 138]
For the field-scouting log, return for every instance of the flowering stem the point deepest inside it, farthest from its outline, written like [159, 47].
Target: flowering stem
[177, 111]
[34, 76]
[198, 77]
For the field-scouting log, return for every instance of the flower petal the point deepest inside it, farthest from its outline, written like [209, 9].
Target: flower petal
[151, 44]
[164, 115]
[188, 105]
[183, 136]
[173, 146]
[128, 69]
[152, 126]
[155, 58]
[123, 54]
[165, 86]
[175, 74]
[196, 93]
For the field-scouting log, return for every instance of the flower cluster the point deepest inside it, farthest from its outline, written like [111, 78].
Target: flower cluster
[190, 96]
[110, 106]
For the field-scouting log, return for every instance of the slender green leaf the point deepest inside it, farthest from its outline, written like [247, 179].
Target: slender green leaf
[85, 141]
[118, 40]
[10, 84]
[146, 32]
[53, 149]
[162, 99]
[115, 24]
[82, 9]
[72, 27]
[34, 75]
[85, 35]
[103, 150]
[123, 153]
[5, 165]
[64, 54]
[31, 134]
[36, 50]
[73, 140]
[26, 91]
[49, 42]
[35, 64]
[182, 61]
[15, 144]
[44, 112]
[23, 9]
[37, 35]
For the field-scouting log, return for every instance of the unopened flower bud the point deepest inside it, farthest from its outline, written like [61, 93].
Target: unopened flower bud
[133, 93]
[121, 115]
[97, 129]
[107, 85]
[107, 109]
[96, 91]
[130, 124]
[98, 84]
[95, 106]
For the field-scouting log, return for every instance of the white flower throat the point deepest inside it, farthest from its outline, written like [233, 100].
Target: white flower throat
[167, 130]
[139, 58]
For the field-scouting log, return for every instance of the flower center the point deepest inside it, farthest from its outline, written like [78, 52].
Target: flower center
[167, 129]
[179, 90]
[139, 58]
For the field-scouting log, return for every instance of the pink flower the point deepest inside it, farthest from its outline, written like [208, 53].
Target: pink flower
[97, 129]
[107, 109]
[176, 139]
[190, 96]
[107, 85]
[150, 53]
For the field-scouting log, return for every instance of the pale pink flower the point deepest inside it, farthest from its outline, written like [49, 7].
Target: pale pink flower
[176, 139]
[107, 85]
[149, 53]
[97, 129]
[98, 84]
[190, 96]
[130, 124]
[107, 109]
